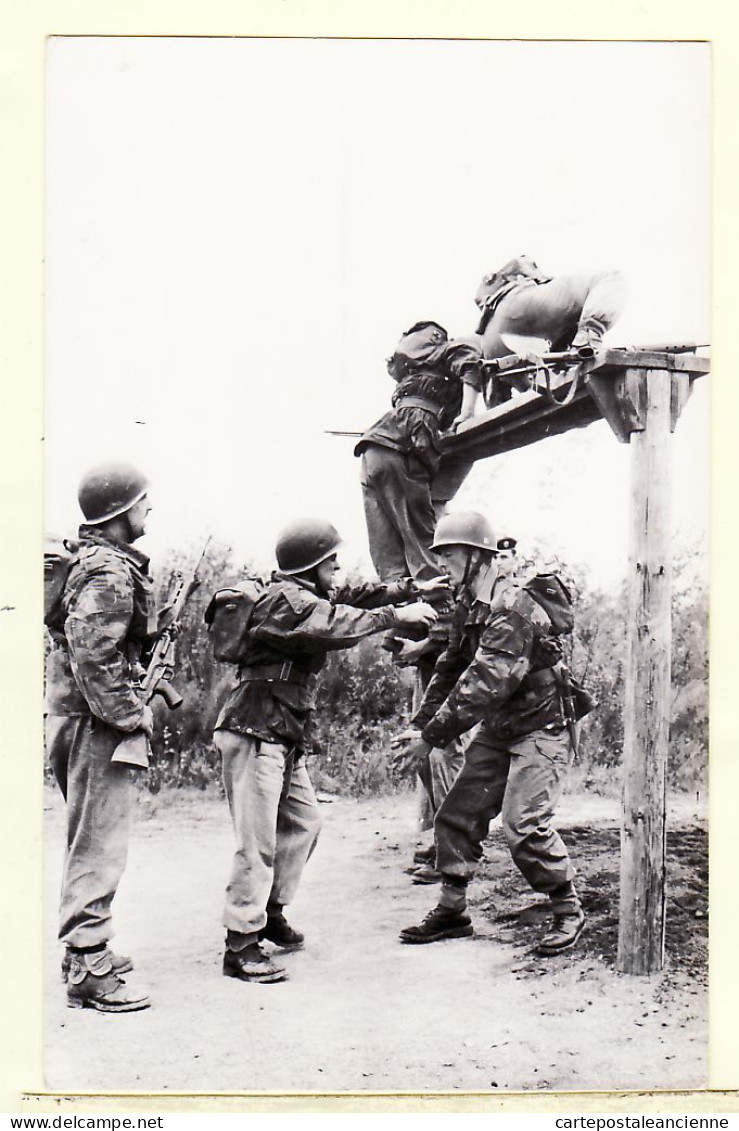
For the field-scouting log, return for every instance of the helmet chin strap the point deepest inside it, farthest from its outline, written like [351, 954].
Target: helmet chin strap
[312, 576]
[472, 571]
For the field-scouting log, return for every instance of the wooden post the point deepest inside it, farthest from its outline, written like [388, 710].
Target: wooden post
[647, 704]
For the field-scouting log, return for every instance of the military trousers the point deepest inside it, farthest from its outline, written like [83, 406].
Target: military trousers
[80, 748]
[523, 780]
[550, 309]
[276, 822]
[399, 514]
[437, 772]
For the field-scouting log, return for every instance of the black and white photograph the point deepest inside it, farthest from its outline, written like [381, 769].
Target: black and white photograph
[376, 574]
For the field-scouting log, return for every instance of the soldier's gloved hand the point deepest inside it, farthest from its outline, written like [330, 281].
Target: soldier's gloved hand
[417, 614]
[147, 721]
[411, 650]
[433, 587]
[409, 751]
[460, 419]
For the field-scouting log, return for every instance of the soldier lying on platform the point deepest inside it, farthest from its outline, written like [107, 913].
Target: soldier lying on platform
[569, 311]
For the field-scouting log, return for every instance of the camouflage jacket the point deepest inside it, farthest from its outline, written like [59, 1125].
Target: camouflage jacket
[437, 378]
[496, 669]
[291, 632]
[107, 618]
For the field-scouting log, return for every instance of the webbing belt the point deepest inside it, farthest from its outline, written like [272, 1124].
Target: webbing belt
[269, 673]
[420, 402]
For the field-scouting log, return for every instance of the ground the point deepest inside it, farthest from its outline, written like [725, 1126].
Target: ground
[361, 1012]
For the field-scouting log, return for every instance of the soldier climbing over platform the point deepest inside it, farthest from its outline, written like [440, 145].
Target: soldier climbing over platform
[438, 382]
[569, 311]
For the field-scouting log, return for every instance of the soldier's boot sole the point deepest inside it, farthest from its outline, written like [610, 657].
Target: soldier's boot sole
[103, 1006]
[253, 971]
[426, 875]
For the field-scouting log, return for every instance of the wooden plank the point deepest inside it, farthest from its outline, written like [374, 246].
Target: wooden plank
[608, 389]
[647, 699]
[648, 359]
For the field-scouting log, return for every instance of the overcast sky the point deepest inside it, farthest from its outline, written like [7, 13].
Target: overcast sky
[239, 230]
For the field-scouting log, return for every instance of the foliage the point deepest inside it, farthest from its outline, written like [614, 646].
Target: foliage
[364, 698]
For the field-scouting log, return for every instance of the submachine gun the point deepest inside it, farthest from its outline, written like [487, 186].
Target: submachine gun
[134, 749]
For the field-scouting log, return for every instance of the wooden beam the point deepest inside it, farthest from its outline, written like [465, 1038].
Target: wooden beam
[647, 699]
[607, 387]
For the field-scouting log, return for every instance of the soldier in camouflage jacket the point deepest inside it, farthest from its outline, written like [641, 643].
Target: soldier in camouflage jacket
[501, 673]
[104, 620]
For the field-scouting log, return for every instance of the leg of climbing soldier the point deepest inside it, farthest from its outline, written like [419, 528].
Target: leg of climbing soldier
[404, 515]
[385, 542]
[538, 767]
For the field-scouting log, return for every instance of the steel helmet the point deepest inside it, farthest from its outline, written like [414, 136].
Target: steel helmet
[466, 528]
[109, 490]
[306, 543]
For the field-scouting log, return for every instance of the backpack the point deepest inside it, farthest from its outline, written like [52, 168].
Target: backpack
[59, 554]
[550, 591]
[416, 346]
[228, 617]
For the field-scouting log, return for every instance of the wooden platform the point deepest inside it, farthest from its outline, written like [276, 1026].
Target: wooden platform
[605, 389]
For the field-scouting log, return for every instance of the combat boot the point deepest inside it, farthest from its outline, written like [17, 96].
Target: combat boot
[121, 963]
[441, 923]
[566, 929]
[92, 983]
[277, 930]
[589, 337]
[425, 855]
[252, 965]
[426, 874]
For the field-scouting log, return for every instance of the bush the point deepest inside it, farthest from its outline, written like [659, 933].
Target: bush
[364, 698]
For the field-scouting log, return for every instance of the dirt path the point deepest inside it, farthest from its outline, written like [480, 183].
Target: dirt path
[361, 1012]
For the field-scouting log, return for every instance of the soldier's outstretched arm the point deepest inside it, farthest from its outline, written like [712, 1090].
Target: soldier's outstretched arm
[96, 628]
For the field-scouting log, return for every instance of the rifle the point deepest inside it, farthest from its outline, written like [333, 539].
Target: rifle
[514, 362]
[134, 749]
[576, 702]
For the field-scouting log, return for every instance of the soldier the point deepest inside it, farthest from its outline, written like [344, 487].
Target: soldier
[570, 311]
[501, 669]
[438, 382]
[439, 769]
[261, 731]
[103, 621]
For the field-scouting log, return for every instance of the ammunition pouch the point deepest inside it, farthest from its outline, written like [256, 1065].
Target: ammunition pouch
[577, 702]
